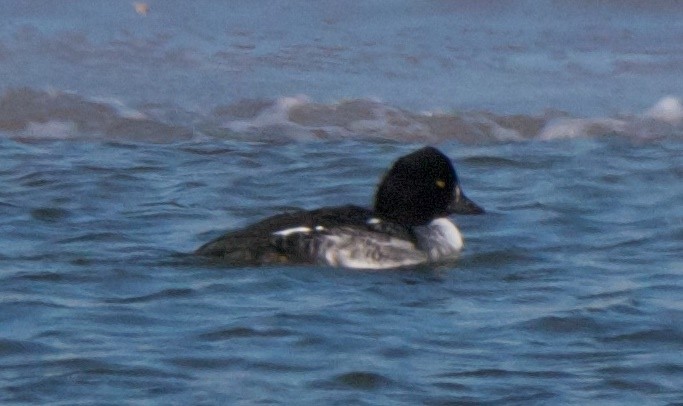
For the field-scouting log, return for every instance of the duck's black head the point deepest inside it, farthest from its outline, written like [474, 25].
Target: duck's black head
[420, 187]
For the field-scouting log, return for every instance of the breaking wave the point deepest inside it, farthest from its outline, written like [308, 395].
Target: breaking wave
[36, 114]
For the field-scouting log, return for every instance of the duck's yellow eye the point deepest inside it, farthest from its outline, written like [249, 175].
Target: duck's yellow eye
[440, 184]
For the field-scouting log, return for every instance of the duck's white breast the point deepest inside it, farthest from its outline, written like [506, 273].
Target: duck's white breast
[440, 239]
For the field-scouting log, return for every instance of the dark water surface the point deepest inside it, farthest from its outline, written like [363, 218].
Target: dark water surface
[569, 289]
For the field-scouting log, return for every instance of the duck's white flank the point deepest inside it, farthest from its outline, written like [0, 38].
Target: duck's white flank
[352, 248]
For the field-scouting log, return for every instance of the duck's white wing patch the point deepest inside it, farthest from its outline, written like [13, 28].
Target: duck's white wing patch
[288, 231]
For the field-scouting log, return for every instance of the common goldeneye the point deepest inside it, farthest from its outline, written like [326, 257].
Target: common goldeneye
[408, 226]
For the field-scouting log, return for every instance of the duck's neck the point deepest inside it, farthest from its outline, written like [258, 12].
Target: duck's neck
[440, 238]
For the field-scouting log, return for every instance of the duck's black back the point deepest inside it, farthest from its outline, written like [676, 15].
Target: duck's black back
[258, 244]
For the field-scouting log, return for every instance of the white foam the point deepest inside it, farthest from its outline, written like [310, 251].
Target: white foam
[275, 115]
[499, 132]
[580, 127]
[668, 109]
[300, 118]
[51, 130]
[392, 123]
[54, 114]
[121, 108]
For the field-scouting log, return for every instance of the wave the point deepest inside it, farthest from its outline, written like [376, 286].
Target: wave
[30, 114]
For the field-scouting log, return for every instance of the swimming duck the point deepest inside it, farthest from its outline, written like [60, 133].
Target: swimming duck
[409, 224]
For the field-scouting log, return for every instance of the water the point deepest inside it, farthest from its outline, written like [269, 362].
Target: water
[126, 141]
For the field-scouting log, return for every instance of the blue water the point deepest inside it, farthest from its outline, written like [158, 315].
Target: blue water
[128, 140]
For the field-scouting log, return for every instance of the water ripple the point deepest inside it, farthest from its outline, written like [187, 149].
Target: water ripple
[10, 348]
[243, 332]
[172, 293]
[567, 291]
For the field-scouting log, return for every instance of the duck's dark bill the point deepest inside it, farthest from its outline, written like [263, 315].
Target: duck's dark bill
[463, 205]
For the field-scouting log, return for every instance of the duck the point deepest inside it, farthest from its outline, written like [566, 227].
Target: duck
[408, 225]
